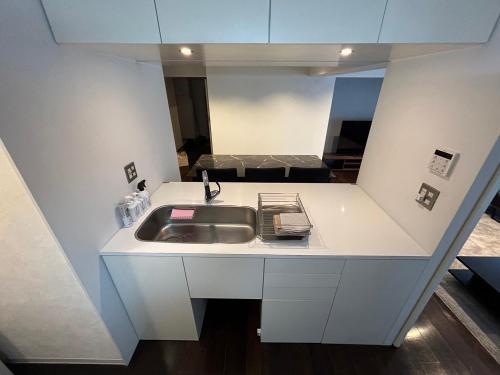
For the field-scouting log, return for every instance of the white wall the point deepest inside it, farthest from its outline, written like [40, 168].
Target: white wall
[45, 312]
[444, 100]
[353, 99]
[71, 119]
[268, 111]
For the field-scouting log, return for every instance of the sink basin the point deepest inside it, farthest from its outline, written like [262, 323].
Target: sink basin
[210, 224]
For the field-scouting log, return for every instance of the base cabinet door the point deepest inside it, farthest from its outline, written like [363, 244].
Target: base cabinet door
[369, 299]
[294, 321]
[298, 295]
[155, 294]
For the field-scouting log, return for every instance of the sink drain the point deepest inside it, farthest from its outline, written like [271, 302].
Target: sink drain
[174, 238]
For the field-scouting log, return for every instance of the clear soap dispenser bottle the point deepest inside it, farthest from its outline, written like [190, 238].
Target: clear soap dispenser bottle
[140, 206]
[132, 206]
[125, 215]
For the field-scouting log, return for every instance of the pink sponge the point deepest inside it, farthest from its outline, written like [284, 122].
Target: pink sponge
[182, 214]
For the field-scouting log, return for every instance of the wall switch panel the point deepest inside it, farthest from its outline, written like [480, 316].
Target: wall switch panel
[427, 196]
[442, 162]
[130, 172]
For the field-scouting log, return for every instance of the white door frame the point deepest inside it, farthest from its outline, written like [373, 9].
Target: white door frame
[208, 115]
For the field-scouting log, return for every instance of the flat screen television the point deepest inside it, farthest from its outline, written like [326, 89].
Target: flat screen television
[353, 137]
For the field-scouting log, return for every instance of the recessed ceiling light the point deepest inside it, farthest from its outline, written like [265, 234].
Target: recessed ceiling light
[186, 51]
[345, 51]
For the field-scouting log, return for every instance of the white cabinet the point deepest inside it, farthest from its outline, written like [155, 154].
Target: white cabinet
[298, 295]
[215, 21]
[439, 21]
[155, 294]
[276, 21]
[103, 21]
[214, 277]
[369, 298]
[294, 321]
[326, 21]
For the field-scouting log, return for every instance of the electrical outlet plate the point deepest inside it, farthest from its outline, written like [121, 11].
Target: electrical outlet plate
[130, 172]
[427, 196]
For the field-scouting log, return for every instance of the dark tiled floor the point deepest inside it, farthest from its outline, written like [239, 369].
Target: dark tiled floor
[439, 344]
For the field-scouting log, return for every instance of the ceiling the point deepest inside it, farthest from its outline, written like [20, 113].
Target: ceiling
[320, 58]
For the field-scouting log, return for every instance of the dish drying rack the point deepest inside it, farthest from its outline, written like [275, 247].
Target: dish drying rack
[271, 204]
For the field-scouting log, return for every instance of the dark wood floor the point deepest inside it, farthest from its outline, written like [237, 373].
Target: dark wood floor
[439, 344]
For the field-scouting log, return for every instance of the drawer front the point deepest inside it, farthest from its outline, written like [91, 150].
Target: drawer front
[278, 293]
[212, 277]
[301, 280]
[307, 266]
[294, 321]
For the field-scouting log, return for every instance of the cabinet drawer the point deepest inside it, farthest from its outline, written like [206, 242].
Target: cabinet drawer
[212, 277]
[301, 280]
[294, 321]
[299, 293]
[309, 266]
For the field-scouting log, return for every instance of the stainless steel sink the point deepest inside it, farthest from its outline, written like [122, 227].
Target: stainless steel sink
[210, 224]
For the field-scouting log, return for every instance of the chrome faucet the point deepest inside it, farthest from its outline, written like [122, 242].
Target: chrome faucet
[209, 195]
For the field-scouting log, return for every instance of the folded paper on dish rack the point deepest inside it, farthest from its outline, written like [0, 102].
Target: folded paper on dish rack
[291, 223]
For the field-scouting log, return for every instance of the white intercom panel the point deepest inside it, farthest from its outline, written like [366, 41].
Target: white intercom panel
[442, 162]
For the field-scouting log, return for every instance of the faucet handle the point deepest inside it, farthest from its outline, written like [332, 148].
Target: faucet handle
[209, 194]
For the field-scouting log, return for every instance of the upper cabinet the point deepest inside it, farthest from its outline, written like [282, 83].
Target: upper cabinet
[103, 21]
[439, 21]
[326, 21]
[273, 21]
[215, 21]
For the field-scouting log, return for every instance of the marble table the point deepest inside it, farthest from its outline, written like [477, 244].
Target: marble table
[240, 162]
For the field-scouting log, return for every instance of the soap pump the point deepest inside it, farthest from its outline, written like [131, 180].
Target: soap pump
[143, 193]
[209, 195]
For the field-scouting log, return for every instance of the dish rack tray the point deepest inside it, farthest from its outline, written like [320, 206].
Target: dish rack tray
[271, 204]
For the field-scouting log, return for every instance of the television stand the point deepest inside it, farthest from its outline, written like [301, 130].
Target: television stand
[481, 270]
[343, 162]
[344, 167]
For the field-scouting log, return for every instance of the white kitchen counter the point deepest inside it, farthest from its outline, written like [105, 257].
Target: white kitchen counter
[347, 223]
